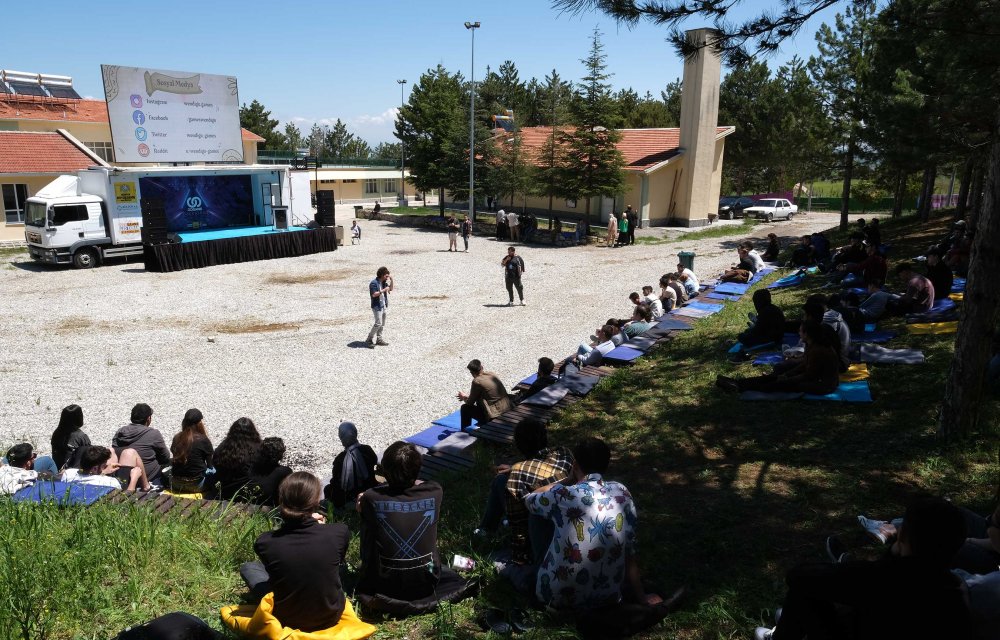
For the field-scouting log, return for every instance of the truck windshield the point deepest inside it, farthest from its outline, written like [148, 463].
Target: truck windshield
[35, 216]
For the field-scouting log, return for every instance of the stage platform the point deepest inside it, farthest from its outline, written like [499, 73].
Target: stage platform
[211, 247]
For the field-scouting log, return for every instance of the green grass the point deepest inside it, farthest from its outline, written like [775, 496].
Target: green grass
[730, 495]
[712, 231]
[12, 252]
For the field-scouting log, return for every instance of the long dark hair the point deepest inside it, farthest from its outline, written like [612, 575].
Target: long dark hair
[191, 426]
[70, 420]
[298, 496]
[239, 448]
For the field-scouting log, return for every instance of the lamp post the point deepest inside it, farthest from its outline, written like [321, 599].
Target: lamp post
[402, 149]
[472, 26]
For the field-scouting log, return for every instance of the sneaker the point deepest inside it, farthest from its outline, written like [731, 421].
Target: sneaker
[480, 534]
[836, 550]
[522, 303]
[510, 304]
[369, 344]
[763, 633]
[875, 528]
[382, 343]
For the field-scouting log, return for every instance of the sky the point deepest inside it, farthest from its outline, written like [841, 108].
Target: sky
[317, 61]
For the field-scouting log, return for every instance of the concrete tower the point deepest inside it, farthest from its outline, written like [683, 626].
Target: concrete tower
[699, 184]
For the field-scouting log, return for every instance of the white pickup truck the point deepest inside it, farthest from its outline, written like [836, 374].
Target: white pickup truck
[771, 209]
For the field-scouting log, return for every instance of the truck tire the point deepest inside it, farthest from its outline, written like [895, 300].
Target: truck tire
[770, 216]
[85, 258]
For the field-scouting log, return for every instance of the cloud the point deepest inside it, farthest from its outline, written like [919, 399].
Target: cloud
[386, 117]
[372, 128]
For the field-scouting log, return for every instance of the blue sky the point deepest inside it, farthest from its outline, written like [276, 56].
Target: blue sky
[310, 61]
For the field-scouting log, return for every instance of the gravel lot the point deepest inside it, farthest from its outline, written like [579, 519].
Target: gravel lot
[281, 341]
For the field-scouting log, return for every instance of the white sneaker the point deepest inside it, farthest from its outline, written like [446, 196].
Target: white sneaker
[875, 528]
[763, 633]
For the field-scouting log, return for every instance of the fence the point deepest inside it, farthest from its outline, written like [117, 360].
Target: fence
[855, 205]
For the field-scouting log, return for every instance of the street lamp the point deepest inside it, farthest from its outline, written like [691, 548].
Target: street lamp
[402, 149]
[472, 26]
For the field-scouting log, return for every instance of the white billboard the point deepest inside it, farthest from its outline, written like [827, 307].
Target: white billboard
[172, 116]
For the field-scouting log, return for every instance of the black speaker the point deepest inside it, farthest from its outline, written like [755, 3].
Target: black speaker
[154, 221]
[326, 208]
[280, 217]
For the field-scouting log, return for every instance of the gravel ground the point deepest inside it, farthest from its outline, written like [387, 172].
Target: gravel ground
[281, 341]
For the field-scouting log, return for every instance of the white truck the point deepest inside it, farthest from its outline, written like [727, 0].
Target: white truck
[95, 214]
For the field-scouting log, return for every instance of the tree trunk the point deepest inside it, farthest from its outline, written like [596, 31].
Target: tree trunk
[927, 192]
[845, 196]
[898, 193]
[964, 188]
[963, 390]
[440, 200]
[976, 197]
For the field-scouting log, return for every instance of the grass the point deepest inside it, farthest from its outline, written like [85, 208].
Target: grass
[12, 252]
[730, 495]
[712, 231]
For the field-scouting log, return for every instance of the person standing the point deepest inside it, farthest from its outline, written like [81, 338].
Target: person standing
[452, 233]
[612, 229]
[622, 230]
[513, 267]
[514, 223]
[633, 221]
[379, 290]
[466, 232]
[501, 222]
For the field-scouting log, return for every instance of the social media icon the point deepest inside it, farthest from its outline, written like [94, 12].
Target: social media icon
[143, 150]
[140, 134]
[136, 101]
[138, 117]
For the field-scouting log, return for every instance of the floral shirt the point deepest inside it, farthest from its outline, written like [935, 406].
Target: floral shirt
[594, 532]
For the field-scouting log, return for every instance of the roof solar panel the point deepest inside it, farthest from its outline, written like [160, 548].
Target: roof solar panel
[3, 87]
[27, 89]
[62, 92]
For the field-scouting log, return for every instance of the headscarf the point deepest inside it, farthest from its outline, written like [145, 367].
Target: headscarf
[354, 474]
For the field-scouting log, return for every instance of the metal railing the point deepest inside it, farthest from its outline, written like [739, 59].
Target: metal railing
[286, 157]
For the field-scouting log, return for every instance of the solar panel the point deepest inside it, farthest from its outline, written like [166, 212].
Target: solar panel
[62, 92]
[27, 88]
[3, 87]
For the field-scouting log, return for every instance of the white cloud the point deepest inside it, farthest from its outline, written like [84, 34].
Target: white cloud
[372, 128]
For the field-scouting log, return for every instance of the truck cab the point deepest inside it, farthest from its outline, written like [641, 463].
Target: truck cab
[68, 230]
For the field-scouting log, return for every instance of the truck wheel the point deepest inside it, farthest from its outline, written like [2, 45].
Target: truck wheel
[770, 217]
[85, 259]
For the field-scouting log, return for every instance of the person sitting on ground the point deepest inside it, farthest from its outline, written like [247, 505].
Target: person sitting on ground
[192, 455]
[266, 473]
[742, 272]
[650, 299]
[590, 562]
[642, 321]
[852, 253]
[146, 441]
[234, 456]
[957, 257]
[758, 261]
[872, 269]
[773, 248]
[487, 397]
[68, 438]
[804, 254]
[868, 311]
[821, 248]
[19, 470]
[617, 336]
[939, 274]
[353, 468]
[97, 468]
[543, 378]
[817, 373]
[767, 326]
[908, 593]
[816, 308]
[674, 283]
[401, 568]
[300, 562]
[691, 284]
[919, 295]
[873, 233]
[668, 294]
[593, 355]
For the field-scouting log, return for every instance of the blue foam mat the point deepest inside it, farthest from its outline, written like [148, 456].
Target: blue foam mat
[723, 296]
[452, 421]
[958, 285]
[768, 358]
[858, 391]
[732, 288]
[623, 354]
[874, 336]
[706, 306]
[63, 493]
[530, 379]
[673, 324]
[787, 281]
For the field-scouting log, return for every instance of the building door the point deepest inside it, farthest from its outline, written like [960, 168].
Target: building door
[607, 207]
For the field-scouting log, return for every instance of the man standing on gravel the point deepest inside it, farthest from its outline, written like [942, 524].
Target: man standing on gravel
[379, 290]
[513, 267]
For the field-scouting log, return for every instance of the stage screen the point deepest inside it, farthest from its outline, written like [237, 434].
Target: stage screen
[202, 202]
[172, 116]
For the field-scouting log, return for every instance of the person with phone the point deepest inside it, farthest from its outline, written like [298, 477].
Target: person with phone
[513, 267]
[378, 291]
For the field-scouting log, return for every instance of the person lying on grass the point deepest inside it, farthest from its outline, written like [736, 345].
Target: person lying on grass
[817, 373]
[20, 469]
[97, 468]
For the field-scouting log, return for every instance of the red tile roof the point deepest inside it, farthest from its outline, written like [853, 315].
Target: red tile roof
[69, 111]
[642, 148]
[40, 152]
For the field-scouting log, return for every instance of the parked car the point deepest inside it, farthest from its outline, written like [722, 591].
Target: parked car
[772, 209]
[732, 206]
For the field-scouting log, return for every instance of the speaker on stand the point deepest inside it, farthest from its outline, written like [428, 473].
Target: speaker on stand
[326, 214]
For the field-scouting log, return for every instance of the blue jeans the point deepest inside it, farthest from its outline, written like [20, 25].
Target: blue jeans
[496, 506]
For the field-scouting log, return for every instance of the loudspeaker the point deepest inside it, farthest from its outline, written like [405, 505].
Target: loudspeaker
[154, 221]
[326, 208]
[280, 217]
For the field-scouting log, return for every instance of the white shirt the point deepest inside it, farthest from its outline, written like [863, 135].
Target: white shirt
[74, 475]
[655, 306]
[14, 478]
[669, 294]
[758, 262]
[512, 219]
[693, 280]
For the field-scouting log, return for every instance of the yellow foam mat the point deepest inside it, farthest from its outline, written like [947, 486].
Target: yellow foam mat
[933, 327]
[189, 496]
[259, 622]
[856, 372]
[957, 297]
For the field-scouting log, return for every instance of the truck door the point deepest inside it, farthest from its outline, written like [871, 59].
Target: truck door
[67, 224]
[93, 226]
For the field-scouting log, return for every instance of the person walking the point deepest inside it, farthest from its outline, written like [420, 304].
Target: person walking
[513, 267]
[379, 290]
[466, 232]
[633, 221]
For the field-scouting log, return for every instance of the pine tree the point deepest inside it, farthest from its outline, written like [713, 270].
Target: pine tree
[257, 119]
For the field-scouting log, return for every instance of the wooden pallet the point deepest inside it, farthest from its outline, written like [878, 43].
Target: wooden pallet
[165, 504]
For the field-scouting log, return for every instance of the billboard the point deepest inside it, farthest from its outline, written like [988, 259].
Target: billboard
[202, 202]
[172, 116]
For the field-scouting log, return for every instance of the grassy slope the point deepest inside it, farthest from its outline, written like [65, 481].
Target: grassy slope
[730, 495]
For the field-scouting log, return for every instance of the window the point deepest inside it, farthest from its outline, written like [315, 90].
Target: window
[14, 196]
[389, 185]
[327, 181]
[102, 149]
[69, 213]
[348, 181]
[371, 186]
[571, 204]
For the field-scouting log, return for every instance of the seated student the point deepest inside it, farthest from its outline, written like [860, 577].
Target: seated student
[957, 257]
[68, 438]
[758, 261]
[590, 561]
[692, 282]
[145, 440]
[690, 286]
[818, 372]
[541, 465]
[919, 295]
[234, 456]
[767, 326]
[642, 321]
[266, 473]
[854, 252]
[19, 470]
[908, 593]
[400, 564]
[872, 269]
[773, 248]
[817, 308]
[821, 247]
[668, 294]
[300, 562]
[804, 254]
[868, 311]
[97, 469]
[592, 356]
[353, 468]
[543, 378]
[192, 454]
[939, 274]
[487, 397]
[618, 338]
[742, 272]
[679, 289]
[873, 233]
[647, 298]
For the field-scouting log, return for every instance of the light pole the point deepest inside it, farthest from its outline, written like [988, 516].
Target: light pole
[402, 148]
[472, 26]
